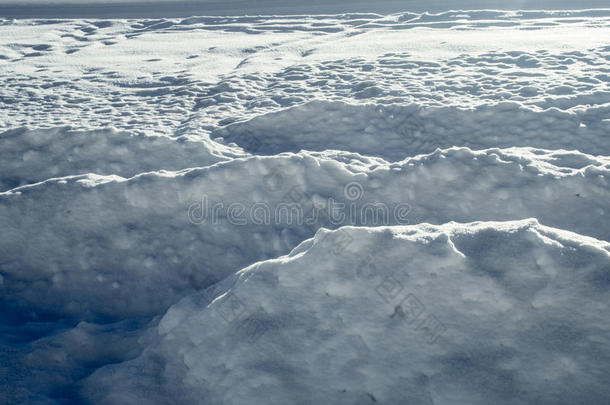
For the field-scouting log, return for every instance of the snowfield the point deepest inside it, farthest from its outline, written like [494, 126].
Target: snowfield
[407, 208]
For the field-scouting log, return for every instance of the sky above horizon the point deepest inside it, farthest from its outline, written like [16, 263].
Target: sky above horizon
[183, 8]
[459, 3]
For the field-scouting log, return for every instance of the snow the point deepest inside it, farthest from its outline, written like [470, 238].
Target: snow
[114, 239]
[36, 155]
[389, 318]
[375, 206]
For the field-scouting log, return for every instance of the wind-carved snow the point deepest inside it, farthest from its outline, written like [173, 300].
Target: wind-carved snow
[113, 240]
[395, 131]
[346, 209]
[36, 155]
[363, 315]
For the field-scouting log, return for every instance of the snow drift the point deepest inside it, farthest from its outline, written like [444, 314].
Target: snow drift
[365, 315]
[113, 240]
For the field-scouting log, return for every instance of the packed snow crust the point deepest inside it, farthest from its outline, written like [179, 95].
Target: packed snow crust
[353, 209]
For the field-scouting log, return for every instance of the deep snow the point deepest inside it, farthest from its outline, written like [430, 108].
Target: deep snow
[359, 208]
[390, 317]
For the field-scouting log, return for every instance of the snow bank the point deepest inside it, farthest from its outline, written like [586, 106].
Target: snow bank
[506, 313]
[33, 155]
[395, 131]
[103, 244]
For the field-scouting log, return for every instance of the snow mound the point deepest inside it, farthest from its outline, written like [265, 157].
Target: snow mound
[33, 155]
[395, 131]
[506, 313]
[103, 244]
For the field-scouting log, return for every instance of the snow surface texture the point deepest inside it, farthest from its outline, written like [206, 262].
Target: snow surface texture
[164, 195]
[362, 324]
